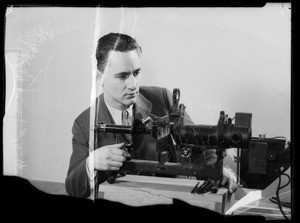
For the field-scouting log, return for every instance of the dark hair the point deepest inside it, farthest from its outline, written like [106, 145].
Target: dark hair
[117, 42]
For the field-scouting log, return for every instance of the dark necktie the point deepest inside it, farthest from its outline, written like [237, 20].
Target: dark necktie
[126, 120]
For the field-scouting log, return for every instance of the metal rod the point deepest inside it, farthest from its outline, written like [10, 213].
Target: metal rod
[114, 128]
[190, 169]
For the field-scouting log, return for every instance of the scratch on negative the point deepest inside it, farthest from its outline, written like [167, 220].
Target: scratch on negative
[44, 69]
[158, 195]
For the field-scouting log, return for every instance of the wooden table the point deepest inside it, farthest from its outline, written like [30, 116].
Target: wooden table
[146, 190]
[139, 190]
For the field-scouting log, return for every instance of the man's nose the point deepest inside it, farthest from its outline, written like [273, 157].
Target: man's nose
[131, 82]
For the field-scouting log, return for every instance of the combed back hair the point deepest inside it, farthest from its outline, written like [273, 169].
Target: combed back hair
[116, 42]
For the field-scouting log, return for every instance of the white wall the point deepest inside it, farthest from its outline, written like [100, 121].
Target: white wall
[231, 59]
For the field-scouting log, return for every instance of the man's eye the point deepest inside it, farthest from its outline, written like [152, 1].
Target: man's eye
[136, 73]
[123, 76]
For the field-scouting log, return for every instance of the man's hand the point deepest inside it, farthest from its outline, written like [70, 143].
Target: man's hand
[229, 177]
[109, 157]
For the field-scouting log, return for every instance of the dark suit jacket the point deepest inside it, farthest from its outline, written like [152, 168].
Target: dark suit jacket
[151, 101]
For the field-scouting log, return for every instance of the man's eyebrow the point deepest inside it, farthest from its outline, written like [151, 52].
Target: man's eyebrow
[127, 73]
[137, 70]
[122, 73]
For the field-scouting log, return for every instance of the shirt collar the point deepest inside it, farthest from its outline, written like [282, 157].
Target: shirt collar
[116, 113]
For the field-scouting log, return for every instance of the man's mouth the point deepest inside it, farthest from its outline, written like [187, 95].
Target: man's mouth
[131, 95]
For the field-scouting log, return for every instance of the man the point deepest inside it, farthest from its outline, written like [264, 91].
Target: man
[119, 64]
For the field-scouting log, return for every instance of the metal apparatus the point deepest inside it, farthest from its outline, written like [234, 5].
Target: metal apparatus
[200, 149]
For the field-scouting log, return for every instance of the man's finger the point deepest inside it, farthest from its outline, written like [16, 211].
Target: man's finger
[118, 158]
[126, 153]
[120, 152]
[116, 151]
[232, 186]
[112, 163]
[224, 179]
[113, 168]
[118, 145]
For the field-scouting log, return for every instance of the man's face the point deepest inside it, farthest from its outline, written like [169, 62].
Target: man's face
[121, 81]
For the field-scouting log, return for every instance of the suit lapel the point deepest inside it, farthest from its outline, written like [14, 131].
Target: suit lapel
[142, 109]
[142, 106]
[104, 116]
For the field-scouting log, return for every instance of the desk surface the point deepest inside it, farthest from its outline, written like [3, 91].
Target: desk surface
[262, 207]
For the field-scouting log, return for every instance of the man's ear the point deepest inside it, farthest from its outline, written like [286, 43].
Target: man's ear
[98, 75]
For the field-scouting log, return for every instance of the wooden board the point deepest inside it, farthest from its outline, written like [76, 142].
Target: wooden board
[136, 190]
